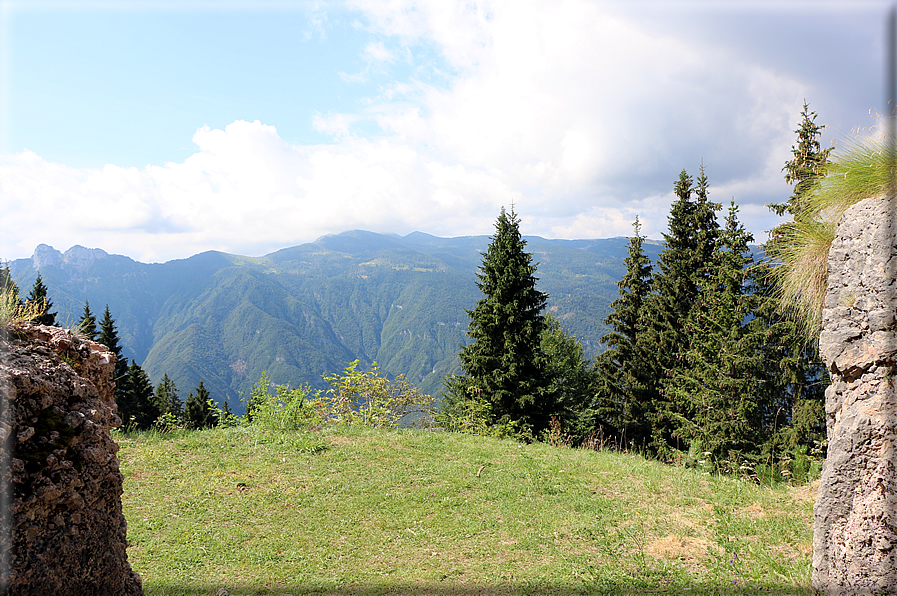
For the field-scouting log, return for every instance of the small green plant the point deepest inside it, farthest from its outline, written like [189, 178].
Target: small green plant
[284, 408]
[14, 312]
[368, 398]
[555, 435]
[167, 423]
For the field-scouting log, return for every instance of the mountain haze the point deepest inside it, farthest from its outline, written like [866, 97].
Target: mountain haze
[307, 310]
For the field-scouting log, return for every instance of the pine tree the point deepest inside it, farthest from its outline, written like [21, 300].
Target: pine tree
[167, 399]
[88, 323]
[505, 365]
[722, 381]
[108, 336]
[806, 166]
[684, 271]
[622, 377]
[795, 418]
[38, 295]
[571, 379]
[198, 413]
[136, 406]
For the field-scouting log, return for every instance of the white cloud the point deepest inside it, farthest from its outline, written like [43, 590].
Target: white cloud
[581, 117]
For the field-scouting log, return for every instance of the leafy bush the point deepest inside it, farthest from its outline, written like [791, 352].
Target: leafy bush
[465, 411]
[284, 408]
[368, 398]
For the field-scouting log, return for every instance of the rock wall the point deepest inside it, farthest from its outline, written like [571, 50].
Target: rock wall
[68, 530]
[855, 526]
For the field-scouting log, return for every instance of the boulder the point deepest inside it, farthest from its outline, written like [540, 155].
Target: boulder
[66, 533]
[855, 515]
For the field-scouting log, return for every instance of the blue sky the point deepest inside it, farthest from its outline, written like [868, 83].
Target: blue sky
[161, 129]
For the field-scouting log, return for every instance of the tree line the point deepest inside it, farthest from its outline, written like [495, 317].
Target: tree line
[701, 365]
[140, 405]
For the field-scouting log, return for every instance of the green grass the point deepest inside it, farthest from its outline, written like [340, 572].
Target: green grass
[360, 511]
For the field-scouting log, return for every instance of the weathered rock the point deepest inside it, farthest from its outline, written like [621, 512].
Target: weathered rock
[855, 527]
[68, 531]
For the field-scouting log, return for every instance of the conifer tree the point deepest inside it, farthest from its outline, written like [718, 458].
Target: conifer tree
[721, 382]
[806, 166]
[136, 406]
[167, 399]
[88, 323]
[108, 336]
[623, 379]
[504, 366]
[38, 295]
[571, 379]
[198, 413]
[683, 272]
[796, 414]
[8, 284]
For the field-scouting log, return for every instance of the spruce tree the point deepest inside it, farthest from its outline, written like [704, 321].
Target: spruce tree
[721, 383]
[683, 272]
[504, 365]
[167, 399]
[136, 406]
[108, 336]
[88, 323]
[38, 295]
[806, 166]
[571, 379]
[622, 377]
[198, 413]
[8, 285]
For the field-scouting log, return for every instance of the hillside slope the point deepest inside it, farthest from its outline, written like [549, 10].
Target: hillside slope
[311, 309]
[358, 511]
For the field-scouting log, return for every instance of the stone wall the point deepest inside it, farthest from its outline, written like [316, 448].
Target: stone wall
[855, 527]
[65, 487]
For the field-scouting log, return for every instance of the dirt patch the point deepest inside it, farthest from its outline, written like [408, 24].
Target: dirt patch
[683, 548]
[806, 493]
[754, 511]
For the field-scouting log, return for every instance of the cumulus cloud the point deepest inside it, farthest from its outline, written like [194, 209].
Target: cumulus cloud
[581, 117]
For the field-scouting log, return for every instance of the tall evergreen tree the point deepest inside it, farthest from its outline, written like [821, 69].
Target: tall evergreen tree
[622, 377]
[806, 166]
[198, 413]
[721, 383]
[135, 399]
[8, 284]
[796, 414]
[683, 272]
[38, 295]
[167, 399]
[504, 365]
[108, 336]
[88, 323]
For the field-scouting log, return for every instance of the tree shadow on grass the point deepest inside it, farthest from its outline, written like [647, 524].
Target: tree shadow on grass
[446, 589]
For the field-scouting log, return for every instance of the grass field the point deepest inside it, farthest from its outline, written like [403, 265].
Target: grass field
[361, 511]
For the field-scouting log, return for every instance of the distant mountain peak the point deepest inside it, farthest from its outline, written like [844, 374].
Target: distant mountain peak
[80, 258]
[46, 256]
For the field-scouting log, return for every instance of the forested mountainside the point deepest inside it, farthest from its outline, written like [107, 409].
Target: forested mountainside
[311, 309]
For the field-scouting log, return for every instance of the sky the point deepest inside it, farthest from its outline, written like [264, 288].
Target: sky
[158, 129]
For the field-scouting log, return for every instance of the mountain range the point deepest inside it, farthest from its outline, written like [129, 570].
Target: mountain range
[304, 311]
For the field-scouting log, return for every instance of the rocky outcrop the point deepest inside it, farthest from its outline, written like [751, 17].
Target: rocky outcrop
[855, 527]
[68, 530]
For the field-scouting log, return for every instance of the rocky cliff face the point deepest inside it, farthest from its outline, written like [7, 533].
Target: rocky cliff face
[68, 530]
[855, 528]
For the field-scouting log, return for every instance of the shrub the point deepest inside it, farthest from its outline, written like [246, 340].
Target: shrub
[368, 398]
[284, 408]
